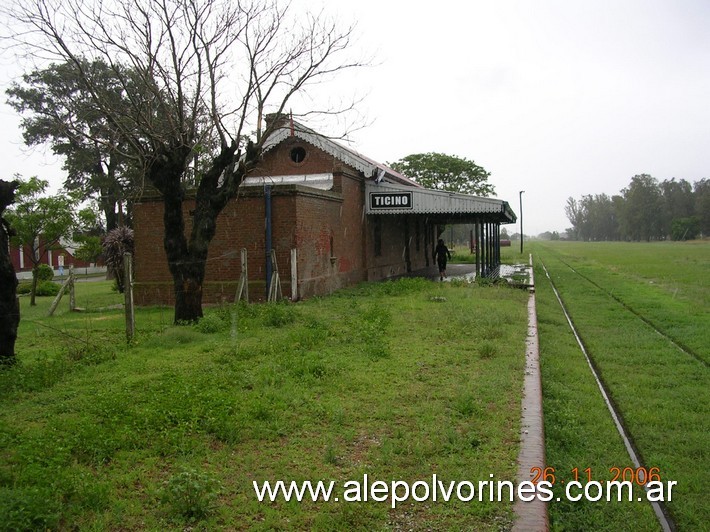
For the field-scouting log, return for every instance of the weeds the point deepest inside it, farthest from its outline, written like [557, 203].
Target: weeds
[298, 392]
[487, 349]
[372, 326]
[191, 494]
[279, 314]
[212, 323]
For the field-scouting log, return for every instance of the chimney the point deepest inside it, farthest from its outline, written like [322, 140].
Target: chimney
[277, 119]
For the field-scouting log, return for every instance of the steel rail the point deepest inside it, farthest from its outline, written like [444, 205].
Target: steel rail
[683, 348]
[658, 508]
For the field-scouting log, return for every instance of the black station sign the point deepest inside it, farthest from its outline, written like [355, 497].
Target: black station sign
[391, 200]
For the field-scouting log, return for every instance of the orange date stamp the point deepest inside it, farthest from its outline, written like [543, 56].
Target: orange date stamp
[639, 475]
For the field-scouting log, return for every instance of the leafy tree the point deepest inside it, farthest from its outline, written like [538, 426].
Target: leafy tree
[701, 191]
[9, 307]
[678, 203]
[642, 205]
[39, 222]
[445, 172]
[619, 205]
[600, 217]
[202, 76]
[575, 214]
[90, 248]
[685, 228]
[88, 235]
[646, 210]
[59, 109]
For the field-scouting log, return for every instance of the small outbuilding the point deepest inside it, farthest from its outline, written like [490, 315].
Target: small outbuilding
[333, 218]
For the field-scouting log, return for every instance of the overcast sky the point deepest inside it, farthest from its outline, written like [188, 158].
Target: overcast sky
[557, 98]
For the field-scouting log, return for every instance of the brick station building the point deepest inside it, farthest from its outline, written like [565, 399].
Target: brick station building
[349, 218]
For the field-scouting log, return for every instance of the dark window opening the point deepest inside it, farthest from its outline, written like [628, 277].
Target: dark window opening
[378, 236]
[332, 251]
[298, 154]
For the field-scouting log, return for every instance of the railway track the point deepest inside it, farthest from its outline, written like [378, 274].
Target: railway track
[678, 344]
[659, 508]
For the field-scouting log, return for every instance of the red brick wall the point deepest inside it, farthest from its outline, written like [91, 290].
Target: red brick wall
[240, 225]
[329, 228]
[329, 237]
[277, 161]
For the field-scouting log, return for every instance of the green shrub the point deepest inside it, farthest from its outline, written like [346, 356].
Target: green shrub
[47, 288]
[25, 287]
[685, 228]
[211, 323]
[485, 281]
[45, 272]
[279, 314]
[44, 288]
[191, 494]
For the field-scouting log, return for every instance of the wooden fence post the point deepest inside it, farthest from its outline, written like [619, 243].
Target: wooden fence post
[69, 280]
[294, 274]
[275, 285]
[243, 288]
[72, 293]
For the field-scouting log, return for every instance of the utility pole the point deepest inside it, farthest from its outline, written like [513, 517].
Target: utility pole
[521, 221]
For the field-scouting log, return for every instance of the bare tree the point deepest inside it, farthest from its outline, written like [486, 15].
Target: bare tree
[197, 76]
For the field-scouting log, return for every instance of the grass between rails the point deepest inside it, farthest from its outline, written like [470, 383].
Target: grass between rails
[397, 380]
[662, 393]
[579, 432]
[667, 283]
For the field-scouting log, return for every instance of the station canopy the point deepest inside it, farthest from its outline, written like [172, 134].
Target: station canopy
[391, 198]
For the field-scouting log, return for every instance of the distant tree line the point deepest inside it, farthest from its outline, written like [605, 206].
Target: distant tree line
[645, 210]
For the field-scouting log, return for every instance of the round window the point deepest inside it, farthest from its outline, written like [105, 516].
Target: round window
[298, 154]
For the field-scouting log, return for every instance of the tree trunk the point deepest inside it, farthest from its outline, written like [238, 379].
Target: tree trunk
[9, 304]
[186, 268]
[108, 205]
[188, 293]
[187, 258]
[186, 262]
[33, 292]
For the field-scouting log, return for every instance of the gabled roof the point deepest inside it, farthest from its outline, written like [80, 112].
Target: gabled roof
[370, 169]
[382, 182]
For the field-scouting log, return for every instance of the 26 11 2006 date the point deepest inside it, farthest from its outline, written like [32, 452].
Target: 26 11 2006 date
[637, 475]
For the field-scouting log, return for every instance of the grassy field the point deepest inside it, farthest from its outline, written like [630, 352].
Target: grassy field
[397, 380]
[642, 312]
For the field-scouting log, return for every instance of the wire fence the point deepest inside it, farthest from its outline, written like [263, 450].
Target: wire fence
[94, 318]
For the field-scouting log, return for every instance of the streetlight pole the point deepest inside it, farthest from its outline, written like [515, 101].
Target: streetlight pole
[521, 221]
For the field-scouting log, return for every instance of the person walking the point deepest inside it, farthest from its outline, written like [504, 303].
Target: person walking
[441, 255]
